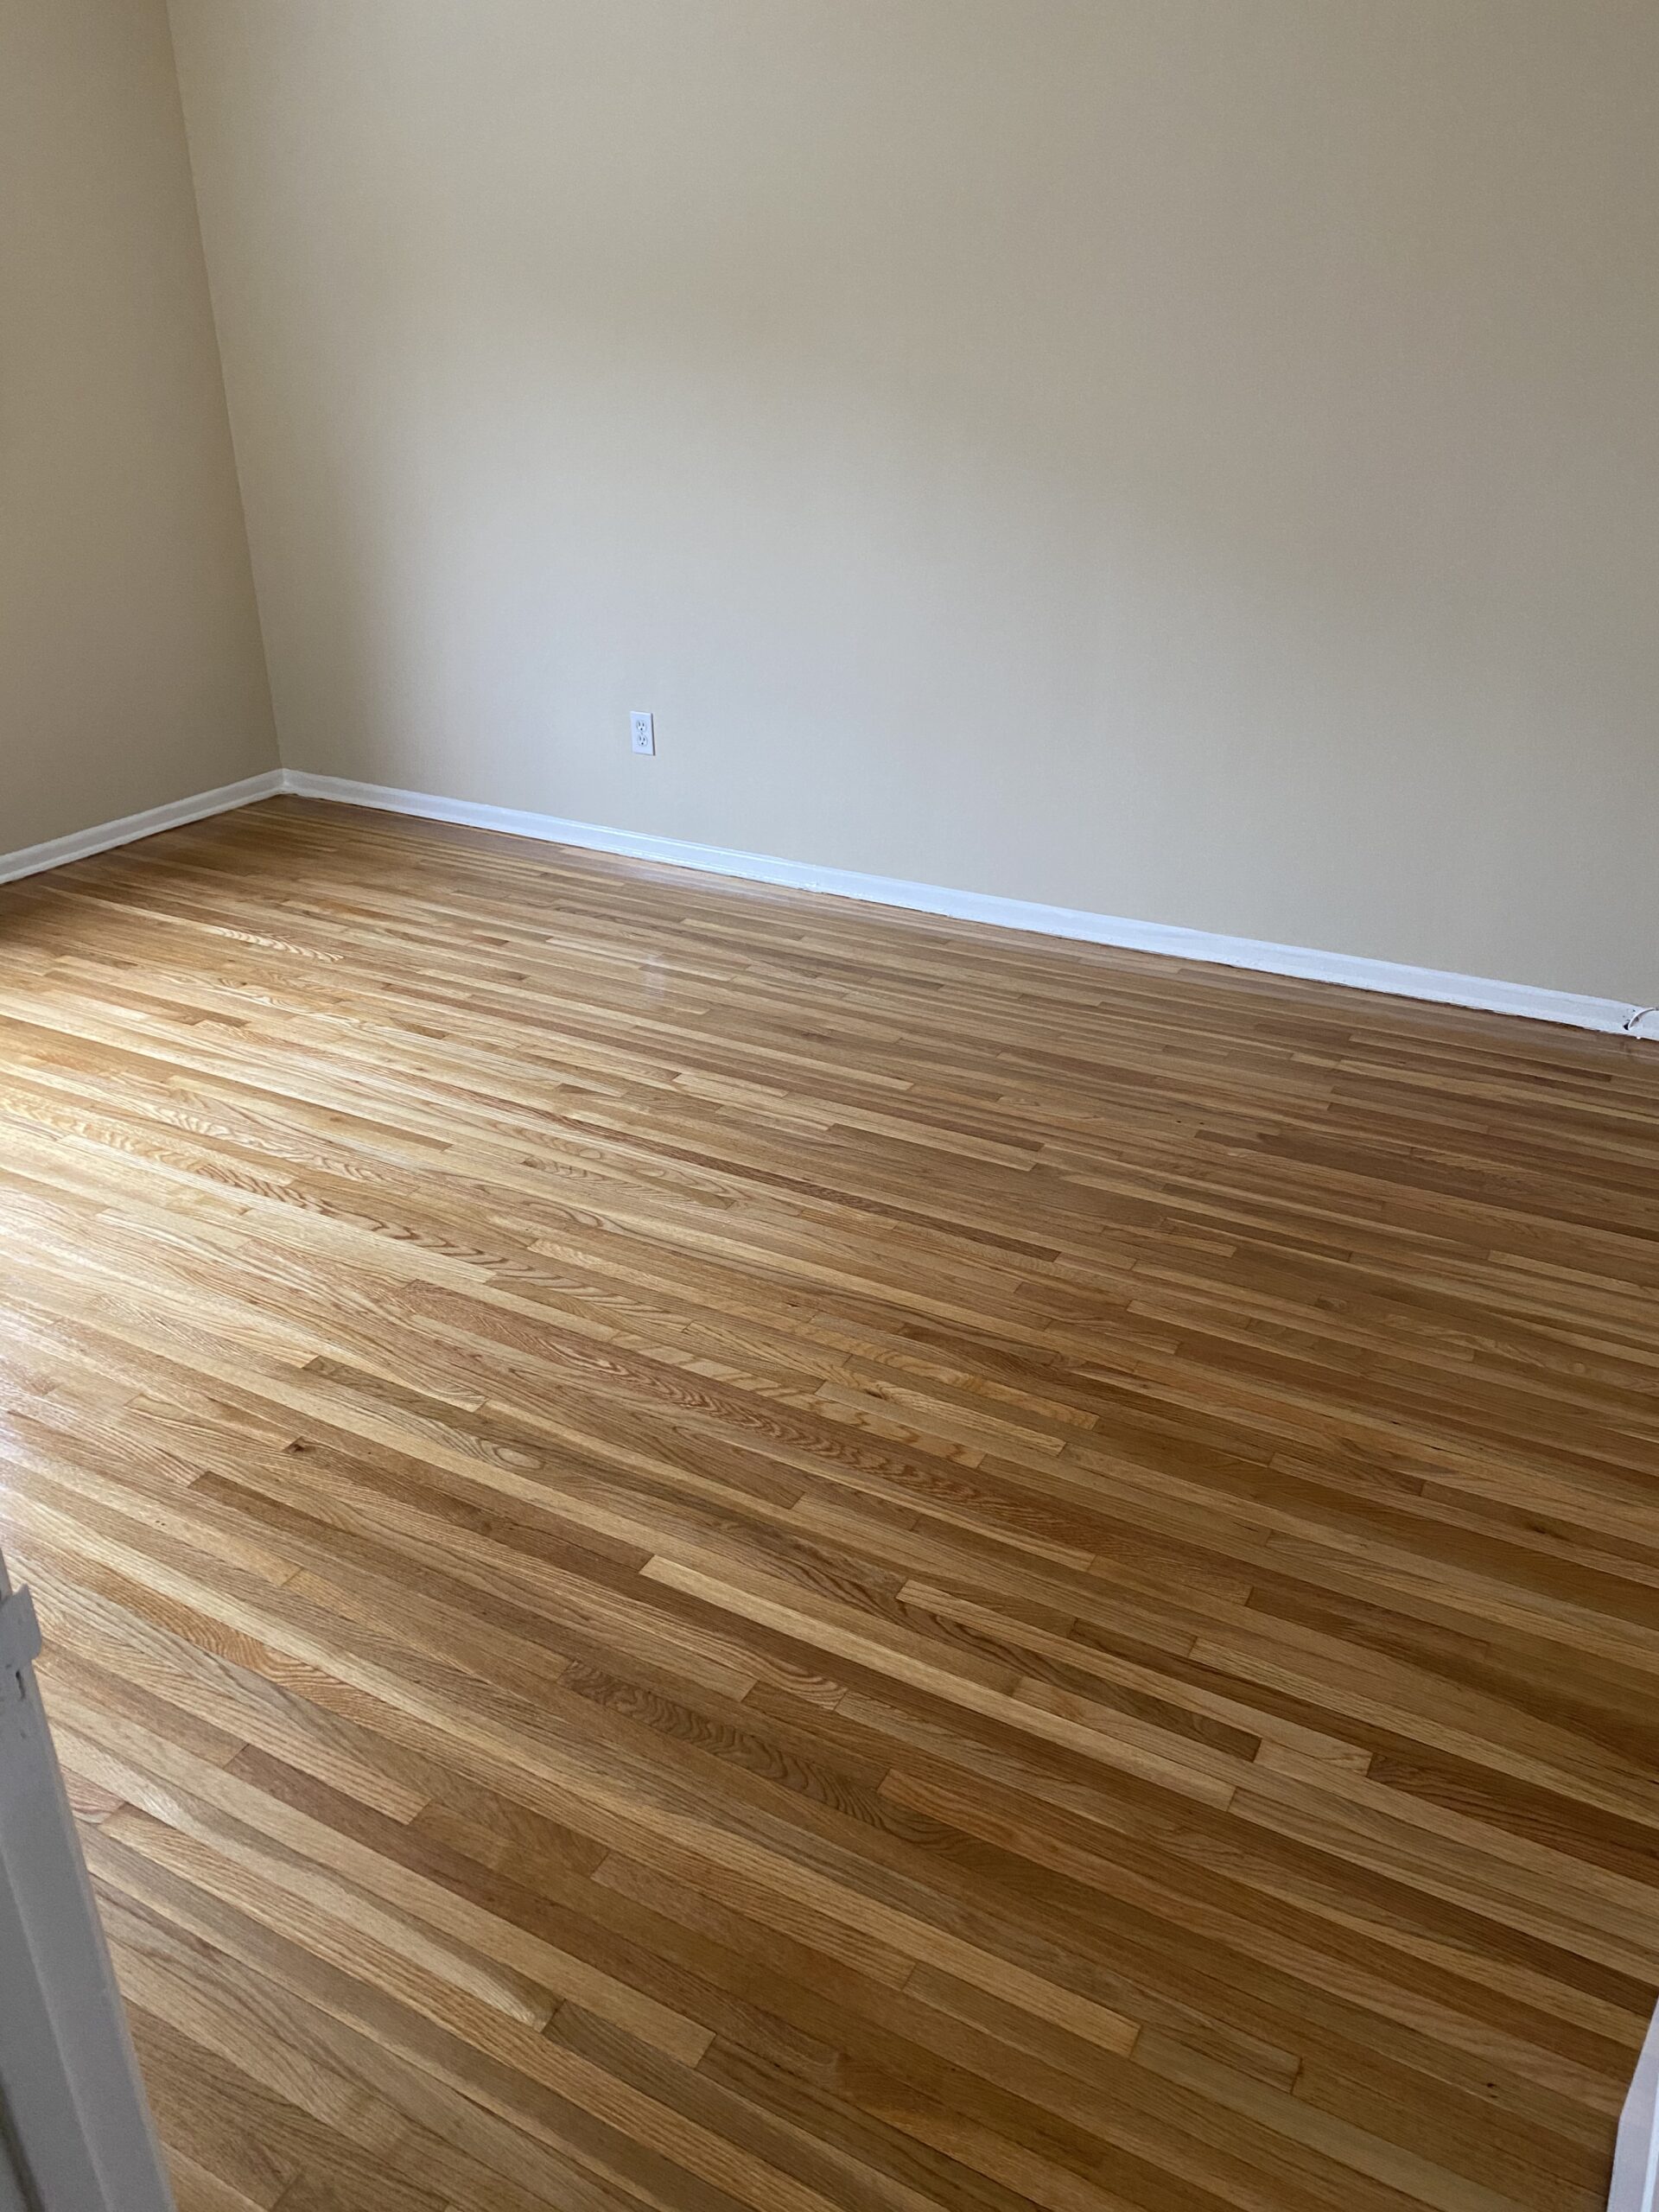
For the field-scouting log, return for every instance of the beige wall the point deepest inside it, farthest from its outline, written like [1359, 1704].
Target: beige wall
[1190, 459]
[130, 666]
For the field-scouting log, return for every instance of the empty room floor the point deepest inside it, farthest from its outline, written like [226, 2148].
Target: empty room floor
[704, 1547]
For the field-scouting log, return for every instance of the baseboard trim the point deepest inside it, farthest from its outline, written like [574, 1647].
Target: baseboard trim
[1388, 977]
[81, 844]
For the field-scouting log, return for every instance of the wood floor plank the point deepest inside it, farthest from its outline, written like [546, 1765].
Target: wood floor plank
[706, 1549]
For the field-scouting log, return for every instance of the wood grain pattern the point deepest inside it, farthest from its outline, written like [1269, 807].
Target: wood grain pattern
[706, 1548]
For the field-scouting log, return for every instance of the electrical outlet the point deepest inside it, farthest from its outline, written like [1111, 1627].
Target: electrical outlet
[644, 729]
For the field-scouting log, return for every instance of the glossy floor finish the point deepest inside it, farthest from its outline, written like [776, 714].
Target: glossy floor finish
[704, 1547]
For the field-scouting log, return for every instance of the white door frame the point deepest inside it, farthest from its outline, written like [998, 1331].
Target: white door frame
[71, 2107]
[1636, 2162]
[11, 2179]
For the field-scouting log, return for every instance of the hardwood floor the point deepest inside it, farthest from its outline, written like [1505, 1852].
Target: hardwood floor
[703, 1548]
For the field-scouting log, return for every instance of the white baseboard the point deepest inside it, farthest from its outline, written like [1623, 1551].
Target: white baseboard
[1384, 975]
[1389, 977]
[81, 844]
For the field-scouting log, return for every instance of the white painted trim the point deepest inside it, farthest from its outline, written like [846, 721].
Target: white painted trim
[78, 2127]
[1384, 975]
[1389, 977]
[81, 844]
[1635, 2161]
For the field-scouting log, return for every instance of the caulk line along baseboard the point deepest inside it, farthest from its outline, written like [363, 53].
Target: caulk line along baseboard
[1392, 978]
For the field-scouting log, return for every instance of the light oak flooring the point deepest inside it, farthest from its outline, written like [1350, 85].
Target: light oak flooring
[702, 1547]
